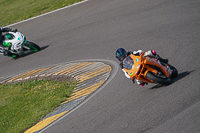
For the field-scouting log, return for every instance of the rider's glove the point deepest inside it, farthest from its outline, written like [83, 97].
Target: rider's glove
[129, 52]
[121, 65]
[15, 30]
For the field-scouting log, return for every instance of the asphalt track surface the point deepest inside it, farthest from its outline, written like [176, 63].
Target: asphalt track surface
[94, 30]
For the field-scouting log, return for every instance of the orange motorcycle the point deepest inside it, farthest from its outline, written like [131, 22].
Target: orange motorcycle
[149, 70]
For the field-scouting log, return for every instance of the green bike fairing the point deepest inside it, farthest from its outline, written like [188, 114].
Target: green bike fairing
[8, 37]
[6, 44]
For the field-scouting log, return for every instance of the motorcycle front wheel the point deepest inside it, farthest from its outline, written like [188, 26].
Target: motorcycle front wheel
[174, 71]
[157, 79]
[33, 47]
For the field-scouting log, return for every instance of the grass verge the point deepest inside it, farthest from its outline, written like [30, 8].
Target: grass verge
[13, 11]
[23, 104]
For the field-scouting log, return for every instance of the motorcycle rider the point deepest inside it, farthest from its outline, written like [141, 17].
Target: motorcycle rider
[121, 54]
[5, 52]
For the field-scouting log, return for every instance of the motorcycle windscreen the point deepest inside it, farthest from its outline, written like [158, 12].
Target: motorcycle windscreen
[128, 63]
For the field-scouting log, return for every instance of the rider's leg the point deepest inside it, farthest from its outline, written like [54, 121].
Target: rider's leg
[9, 54]
[152, 53]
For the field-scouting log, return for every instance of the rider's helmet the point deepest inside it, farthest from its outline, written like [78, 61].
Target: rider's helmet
[120, 54]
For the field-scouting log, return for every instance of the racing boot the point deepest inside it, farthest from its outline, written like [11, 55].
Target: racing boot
[143, 84]
[163, 60]
[140, 83]
[9, 54]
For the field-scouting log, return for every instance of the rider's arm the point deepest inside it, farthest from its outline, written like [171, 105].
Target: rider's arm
[126, 74]
[138, 53]
[6, 29]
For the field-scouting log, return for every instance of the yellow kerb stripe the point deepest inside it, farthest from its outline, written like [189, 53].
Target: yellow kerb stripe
[73, 68]
[42, 124]
[84, 91]
[30, 73]
[94, 73]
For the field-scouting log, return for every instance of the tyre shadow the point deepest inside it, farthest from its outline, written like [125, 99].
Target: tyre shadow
[30, 53]
[179, 77]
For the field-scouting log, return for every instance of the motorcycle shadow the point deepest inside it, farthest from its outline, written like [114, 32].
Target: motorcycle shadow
[30, 53]
[182, 75]
[179, 77]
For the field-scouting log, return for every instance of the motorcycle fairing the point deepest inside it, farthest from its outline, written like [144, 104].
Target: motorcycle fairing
[138, 66]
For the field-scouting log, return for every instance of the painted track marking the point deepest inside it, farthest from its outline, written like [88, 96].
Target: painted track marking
[89, 74]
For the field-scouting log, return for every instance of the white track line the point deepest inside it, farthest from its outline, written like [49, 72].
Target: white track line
[47, 13]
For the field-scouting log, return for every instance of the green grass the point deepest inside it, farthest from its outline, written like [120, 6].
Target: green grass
[24, 104]
[13, 11]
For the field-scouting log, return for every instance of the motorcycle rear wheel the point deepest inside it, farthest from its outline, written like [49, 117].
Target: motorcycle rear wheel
[157, 79]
